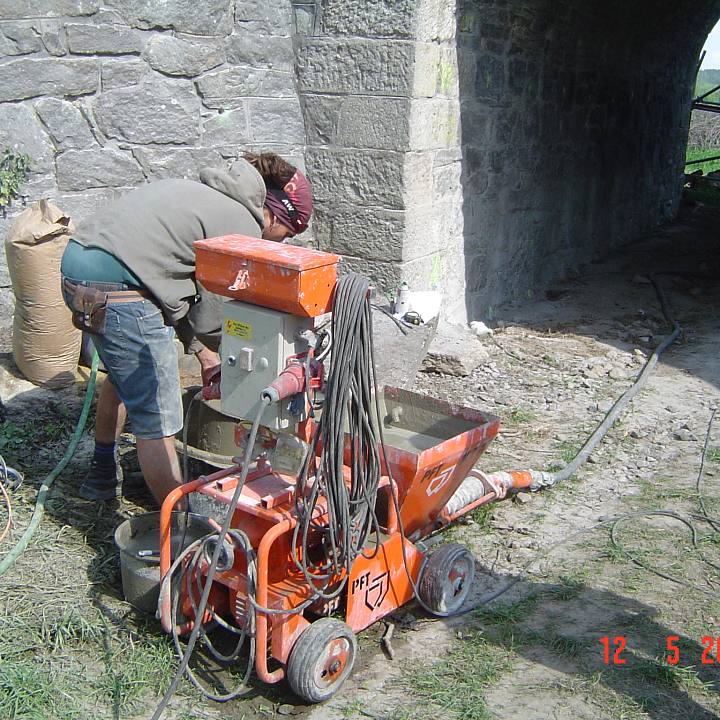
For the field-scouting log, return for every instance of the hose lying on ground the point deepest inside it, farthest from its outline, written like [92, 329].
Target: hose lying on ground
[11, 558]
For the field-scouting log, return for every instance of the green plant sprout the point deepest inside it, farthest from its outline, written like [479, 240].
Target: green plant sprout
[13, 172]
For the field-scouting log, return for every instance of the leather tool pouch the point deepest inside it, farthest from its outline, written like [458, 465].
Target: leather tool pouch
[89, 306]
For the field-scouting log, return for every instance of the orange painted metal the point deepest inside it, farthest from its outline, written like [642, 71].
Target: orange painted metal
[381, 579]
[378, 585]
[297, 280]
[427, 479]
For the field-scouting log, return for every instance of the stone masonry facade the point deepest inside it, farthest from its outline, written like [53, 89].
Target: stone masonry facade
[479, 147]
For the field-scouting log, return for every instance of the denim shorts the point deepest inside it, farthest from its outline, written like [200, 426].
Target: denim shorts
[138, 351]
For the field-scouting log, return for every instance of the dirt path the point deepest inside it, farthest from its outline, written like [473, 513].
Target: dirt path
[555, 367]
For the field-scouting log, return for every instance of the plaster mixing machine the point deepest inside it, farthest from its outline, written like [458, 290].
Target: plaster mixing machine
[315, 533]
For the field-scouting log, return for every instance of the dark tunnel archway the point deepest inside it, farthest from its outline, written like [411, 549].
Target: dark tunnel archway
[574, 121]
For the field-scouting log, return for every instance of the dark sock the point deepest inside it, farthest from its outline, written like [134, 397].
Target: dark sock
[104, 457]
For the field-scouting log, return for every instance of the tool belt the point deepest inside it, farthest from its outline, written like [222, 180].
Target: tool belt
[89, 303]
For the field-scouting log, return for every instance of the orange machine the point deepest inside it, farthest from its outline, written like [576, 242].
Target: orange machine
[275, 577]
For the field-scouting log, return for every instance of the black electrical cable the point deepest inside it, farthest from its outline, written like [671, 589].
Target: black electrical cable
[351, 519]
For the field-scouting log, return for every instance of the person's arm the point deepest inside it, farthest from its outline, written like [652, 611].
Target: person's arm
[209, 364]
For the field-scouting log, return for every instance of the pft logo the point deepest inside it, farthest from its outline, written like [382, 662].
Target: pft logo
[438, 482]
[375, 589]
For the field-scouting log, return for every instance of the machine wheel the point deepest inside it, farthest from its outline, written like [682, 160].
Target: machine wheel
[321, 659]
[446, 580]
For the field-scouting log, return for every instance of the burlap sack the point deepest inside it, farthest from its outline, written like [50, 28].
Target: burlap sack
[46, 346]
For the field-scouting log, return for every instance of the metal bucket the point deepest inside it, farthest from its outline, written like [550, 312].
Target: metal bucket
[138, 540]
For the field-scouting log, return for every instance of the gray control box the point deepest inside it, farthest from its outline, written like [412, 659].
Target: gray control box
[256, 343]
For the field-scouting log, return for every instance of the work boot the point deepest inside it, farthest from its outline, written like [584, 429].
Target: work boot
[102, 482]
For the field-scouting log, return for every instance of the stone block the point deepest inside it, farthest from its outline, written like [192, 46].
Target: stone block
[210, 17]
[368, 233]
[21, 130]
[374, 123]
[398, 355]
[222, 89]
[177, 163]
[455, 350]
[434, 123]
[363, 177]
[227, 128]
[19, 40]
[385, 276]
[365, 67]
[122, 73]
[418, 177]
[155, 111]
[85, 39]
[247, 46]
[369, 18]
[274, 120]
[304, 19]
[30, 77]
[81, 205]
[436, 21]
[489, 78]
[432, 71]
[65, 122]
[174, 56]
[55, 42]
[268, 16]
[96, 168]
[322, 113]
[14, 10]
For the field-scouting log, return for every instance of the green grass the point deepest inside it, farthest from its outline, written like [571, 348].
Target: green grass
[675, 677]
[698, 153]
[454, 685]
[714, 455]
[30, 690]
[518, 416]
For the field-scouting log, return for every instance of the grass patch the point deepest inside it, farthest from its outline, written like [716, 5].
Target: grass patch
[30, 690]
[714, 455]
[135, 664]
[518, 416]
[674, 677]
[699, 153]
[508, 613]
[455, 684]
[482, 516]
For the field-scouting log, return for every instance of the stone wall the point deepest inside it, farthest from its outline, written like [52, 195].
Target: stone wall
[107, 94]
[479, 147]
[378, 84]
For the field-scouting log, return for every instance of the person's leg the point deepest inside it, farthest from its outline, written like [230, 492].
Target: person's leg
[110, 415]
[159, 465]
[103, 479]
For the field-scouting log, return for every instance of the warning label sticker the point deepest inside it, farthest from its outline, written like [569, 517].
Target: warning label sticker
[238, 329]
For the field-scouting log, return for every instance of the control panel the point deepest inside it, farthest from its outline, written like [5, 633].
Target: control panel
[256, 344]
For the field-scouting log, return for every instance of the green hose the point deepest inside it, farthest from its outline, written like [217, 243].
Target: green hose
[10, 559]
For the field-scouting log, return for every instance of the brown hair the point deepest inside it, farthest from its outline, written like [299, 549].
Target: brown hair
[275, 171]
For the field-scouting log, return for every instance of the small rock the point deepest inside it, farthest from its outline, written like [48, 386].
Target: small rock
[683, 434]
[616, 374]
[640, 280]
[480, 329]
[523, 498]
[635, 434]
[286, 710]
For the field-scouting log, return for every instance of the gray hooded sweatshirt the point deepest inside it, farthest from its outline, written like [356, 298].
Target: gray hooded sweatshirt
[152, 229]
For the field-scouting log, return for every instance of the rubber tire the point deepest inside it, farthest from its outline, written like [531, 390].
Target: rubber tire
[308, 653]
[435, 580]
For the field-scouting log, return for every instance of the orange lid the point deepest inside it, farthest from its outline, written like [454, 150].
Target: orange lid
[268, 252]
